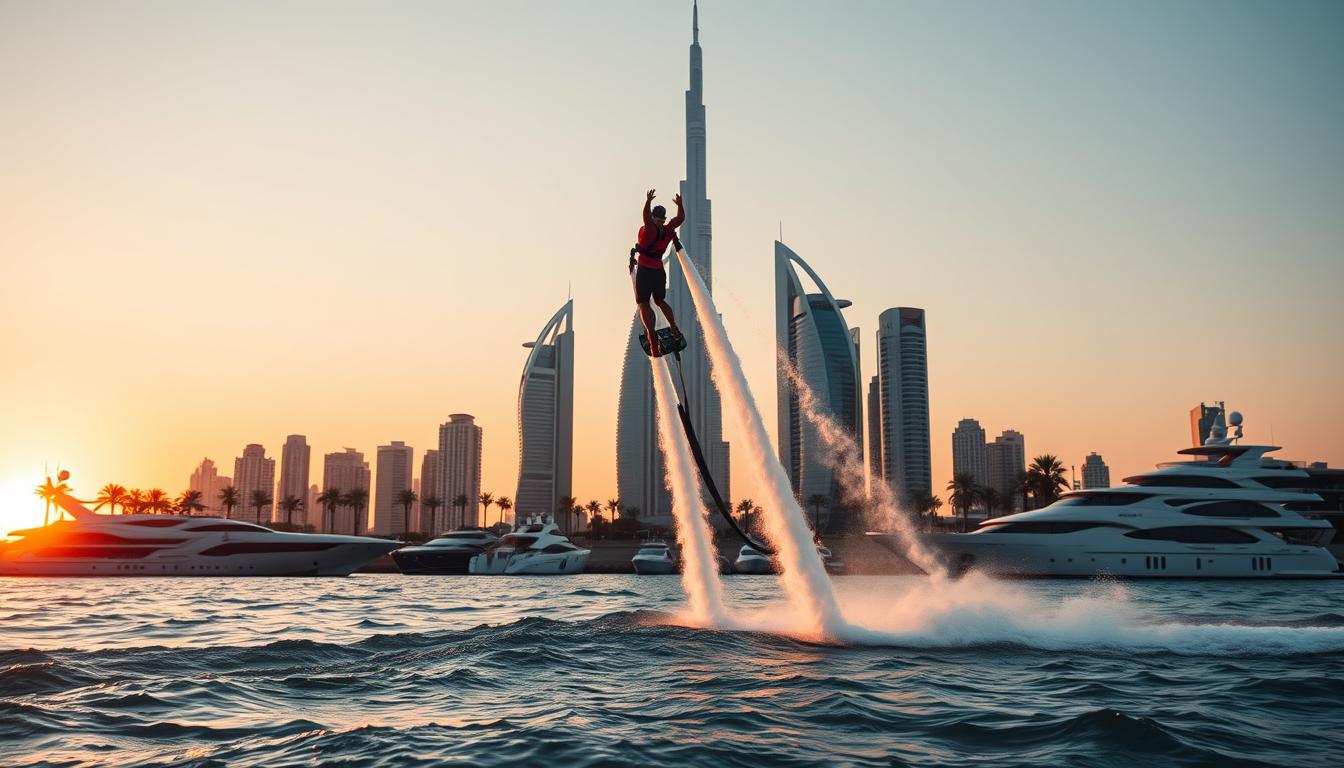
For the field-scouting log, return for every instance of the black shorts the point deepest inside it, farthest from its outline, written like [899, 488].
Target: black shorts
[650, 282]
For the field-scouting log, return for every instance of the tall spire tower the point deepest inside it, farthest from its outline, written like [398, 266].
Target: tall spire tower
[639, 461]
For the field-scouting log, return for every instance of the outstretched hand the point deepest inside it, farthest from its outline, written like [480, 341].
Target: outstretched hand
[677, 199]
[649, 196]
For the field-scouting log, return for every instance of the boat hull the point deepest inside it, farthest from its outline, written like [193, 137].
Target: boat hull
[529, 563]
[432, 561]
[1012, 555]
[753, 566]
[340, 559]
[653, 566]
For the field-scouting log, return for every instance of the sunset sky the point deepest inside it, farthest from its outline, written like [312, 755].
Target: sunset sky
[223, 223]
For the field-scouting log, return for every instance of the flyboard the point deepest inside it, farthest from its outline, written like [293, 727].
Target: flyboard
[674, 344]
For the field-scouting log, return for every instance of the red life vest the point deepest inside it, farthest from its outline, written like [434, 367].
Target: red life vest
[652, 244]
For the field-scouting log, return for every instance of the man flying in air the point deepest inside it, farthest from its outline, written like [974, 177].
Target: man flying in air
[651, 279]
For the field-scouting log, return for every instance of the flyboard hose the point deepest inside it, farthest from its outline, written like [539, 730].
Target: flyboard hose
[699, 455]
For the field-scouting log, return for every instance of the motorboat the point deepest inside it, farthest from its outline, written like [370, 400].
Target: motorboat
[834, 565]
[752, 561]
[94, 544]
[1226, 512]
[654, 558]
[450, 553]
[535, 548]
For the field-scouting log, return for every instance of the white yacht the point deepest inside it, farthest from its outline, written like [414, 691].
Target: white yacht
[752, 561]
[536, 548]
[448, 554]
[833, 564]
[1223, 513]
[94, 544]
[655, 558]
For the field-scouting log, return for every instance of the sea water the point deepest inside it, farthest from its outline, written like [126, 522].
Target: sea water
[600, 670]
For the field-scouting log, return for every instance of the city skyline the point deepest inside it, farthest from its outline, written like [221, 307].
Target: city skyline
[957, 190]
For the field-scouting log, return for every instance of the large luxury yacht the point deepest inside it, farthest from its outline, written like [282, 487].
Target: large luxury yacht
[1226, 512]
[536, 548]
[447, 554]
[94, 544]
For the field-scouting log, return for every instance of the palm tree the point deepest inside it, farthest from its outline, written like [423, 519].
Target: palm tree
[505, 504]
[330, 499]
[564, 507]
[743, 508]
[406, 499]
[594, 508]
[357, 499]
[460, 503]
[189, 502]
[486, 499]
[134, 502]
[756, 512]
[432, 503]
[935, 504]
[1046, 475]
[228, 496]
[260, 498]
[111, 495]
[49, 492]
[613, 508]
[158, 502]
[992, 499]
[815, 501]
[963, 490]
[289, 505]
[1022, 487]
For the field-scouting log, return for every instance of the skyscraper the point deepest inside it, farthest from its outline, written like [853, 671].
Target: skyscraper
[394, 476]
[824, 351]
[639, 462]
[460, 467]
[207, 480]
[429, 487]
[344, 472]
[968, 451]
[295, 458]
[254, 472]
[874, 432]
[1095, 472]
[903, 376]
[546, 418]
[1005, 459]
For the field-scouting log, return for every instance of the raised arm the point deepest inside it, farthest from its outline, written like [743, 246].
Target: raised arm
[681, 213]
[648, 213]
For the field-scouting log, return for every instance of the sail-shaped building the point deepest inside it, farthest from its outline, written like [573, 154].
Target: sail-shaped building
[546, 418]
[639, 460]
[823, 350]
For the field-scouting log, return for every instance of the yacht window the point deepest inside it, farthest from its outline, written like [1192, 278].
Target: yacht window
[1194, 534]
[1182, 502]
[265, 548]
[1281, 482]
[516, 542]
[1307, 536]
[552, 549]
[1043, 526]
[1180, 481]
[154, 523]
[1111, 499]
[235, 527]
[1231, 509]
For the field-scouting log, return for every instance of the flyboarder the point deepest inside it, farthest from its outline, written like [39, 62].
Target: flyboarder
[651, 279]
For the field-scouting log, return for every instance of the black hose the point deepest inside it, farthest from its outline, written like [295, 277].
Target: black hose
[704, 472]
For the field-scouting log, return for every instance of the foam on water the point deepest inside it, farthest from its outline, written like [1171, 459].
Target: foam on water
[801, 570]
[700, 572]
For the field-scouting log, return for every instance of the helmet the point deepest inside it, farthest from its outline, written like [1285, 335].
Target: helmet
[659, 212]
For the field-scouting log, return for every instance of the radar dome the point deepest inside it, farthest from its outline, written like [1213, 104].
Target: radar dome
[1234, 418]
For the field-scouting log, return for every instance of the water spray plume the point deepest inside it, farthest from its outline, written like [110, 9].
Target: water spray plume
[802, 573]
[700, 572]
[842, 455]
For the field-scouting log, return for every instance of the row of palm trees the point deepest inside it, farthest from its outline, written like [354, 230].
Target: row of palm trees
[1039, 486]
